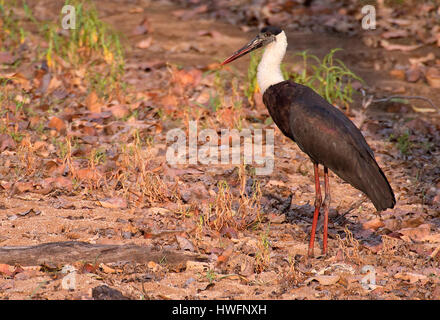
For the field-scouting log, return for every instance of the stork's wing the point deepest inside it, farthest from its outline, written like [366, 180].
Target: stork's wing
[329, 138]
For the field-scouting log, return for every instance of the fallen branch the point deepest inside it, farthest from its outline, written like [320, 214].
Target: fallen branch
[407, 97]
[72, 251]
[353, 206]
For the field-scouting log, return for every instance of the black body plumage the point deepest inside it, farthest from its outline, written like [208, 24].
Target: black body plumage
[329, 138]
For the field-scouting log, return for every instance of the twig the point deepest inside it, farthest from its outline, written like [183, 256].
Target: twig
[435, 252]
[352, 207]
[408, 97]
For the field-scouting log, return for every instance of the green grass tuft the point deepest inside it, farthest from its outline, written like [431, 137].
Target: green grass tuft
[329, 77]
[92, 42]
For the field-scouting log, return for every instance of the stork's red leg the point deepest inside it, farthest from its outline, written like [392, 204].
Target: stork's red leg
[318, 201]
[326, 208]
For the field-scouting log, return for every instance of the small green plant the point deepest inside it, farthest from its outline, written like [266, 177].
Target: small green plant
[16, 136]
[211, 275]
[99, 156]
[216, 100]
[428, 146]
[12, 34]
[252, 83]
[93, 42]
[62, 148]
[403, 142]
[29, 13]
[330, 78]
[163, 262]
[262, 257]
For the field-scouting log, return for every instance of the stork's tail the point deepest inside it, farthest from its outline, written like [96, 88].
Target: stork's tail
[377, 187]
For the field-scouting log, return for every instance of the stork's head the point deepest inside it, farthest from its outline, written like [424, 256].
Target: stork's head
[266, 36]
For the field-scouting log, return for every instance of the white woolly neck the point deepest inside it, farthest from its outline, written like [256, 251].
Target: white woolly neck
[269, 71]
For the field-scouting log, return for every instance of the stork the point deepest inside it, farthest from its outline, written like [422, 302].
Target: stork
[320, 130]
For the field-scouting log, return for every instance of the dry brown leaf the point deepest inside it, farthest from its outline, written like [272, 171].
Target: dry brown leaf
[197, 267]
[57, 124]
[54, 83]
[373, 224]
[6, 142]
[187, 14]
[143, 28]
[145, 43]
[18, 78]
[6, 58]
[6, 185]
[276, 218]
[225, 256]
[187, 78]
[106, 269]
[324, 280]
[398, 73]
[184, 243]
[130, 229]
[85, 267]
[401, 47]
[433, 77]
[6, 269]
[433, 238]
[169, 100]
[21, 187]
[411, 277]
[417, 234]
[430, 56]
[119, 111]
[417, 220]
[400, 21]
[114, 203]
[38, 145]
[63, 182]
[414, 73]
[395, 34]
[136, 10]
[151, 264]
[159, 211]
[229, 232]
[87, 174]
[212, 33]
[92, 103]
[275, 183]
[89, 131]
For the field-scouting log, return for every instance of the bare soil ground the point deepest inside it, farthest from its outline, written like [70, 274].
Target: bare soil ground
[197, 259]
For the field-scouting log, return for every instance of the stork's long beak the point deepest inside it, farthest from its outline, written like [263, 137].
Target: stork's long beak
[254, 44]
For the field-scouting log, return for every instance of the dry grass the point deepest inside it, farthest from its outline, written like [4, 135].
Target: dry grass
[138, 176]
[262, 256]
[349, 247]
[232, 209]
